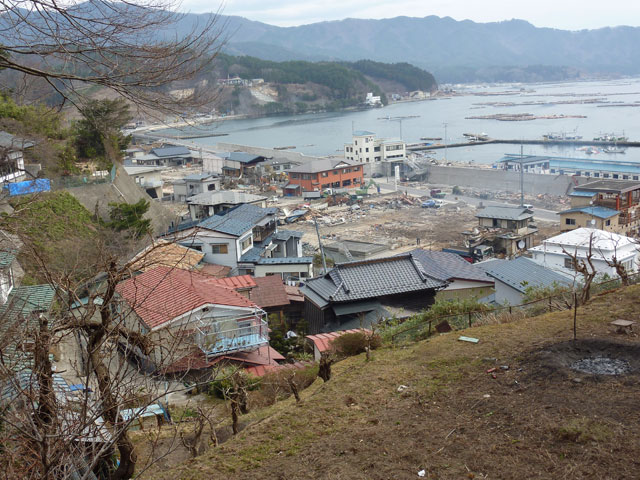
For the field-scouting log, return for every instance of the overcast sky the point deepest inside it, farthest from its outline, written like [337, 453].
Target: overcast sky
[563, 14]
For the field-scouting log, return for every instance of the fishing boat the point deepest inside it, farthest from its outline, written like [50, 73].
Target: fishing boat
[614, 149]
[611, 138]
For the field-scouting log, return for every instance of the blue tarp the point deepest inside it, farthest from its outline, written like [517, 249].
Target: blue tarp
[30, 186]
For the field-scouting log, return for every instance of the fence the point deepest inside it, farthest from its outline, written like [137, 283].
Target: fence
[71, 181]
[459, 321]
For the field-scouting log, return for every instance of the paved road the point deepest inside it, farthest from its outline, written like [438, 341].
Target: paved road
[538, 213]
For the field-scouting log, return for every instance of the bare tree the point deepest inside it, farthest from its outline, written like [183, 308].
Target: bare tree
[585, 267]
[615, 262]
[132, 49]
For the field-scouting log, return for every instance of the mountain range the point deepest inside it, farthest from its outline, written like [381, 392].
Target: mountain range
[454, 51]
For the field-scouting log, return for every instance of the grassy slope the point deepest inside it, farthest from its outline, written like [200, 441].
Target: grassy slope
[358, 425]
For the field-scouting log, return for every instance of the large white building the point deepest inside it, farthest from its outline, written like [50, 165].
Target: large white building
[366, 148]
[604, 246]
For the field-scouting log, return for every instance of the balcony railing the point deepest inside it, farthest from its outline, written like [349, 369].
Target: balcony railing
[246, 337]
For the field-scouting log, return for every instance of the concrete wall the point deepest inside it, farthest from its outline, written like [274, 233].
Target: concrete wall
[494, 179]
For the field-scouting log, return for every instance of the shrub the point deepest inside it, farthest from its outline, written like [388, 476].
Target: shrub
[350, 344]
[456, 190]
[274, 386]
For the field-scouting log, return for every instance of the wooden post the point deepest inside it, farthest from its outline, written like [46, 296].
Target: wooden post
[575, 314]
[469, 319]
[549, 303]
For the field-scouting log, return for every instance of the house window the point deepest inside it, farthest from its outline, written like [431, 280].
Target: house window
[596, 174]
[346, 183]
[605, 175]
[246, 243]
[635, 177]
[325, 174]
[211, 187]
[607, 223]
[219, 248]
[553, 170]
[625, 177]
[366, 149]
[570, 221]
[356, 169]
[568, 263]
[615, 175]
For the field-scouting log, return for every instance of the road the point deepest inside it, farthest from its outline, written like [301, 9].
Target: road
[538, 213]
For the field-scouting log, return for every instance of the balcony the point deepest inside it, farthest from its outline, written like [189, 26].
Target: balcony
[251, 334]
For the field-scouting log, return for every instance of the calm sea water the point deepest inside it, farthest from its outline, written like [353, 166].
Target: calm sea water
[325, 134]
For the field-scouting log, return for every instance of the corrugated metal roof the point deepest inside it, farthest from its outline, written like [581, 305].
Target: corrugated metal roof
[285, 260]
[522, 273]
[596, 211]
[505, 212]
[322, 341]
[581, 193]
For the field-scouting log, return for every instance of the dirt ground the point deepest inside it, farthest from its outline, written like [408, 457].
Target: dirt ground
[436, 406]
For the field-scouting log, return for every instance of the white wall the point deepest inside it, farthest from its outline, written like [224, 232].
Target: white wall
[506, 294]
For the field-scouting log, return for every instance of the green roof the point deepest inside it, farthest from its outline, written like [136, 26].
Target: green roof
[25, 300]
[6, 258]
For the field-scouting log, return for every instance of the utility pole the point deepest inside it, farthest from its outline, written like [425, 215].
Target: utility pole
[324, 261]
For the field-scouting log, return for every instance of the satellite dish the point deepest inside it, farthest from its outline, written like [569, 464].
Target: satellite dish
[592, 222]
[521, 244]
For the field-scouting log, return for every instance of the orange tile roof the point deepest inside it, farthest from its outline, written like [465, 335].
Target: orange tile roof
[265, 357]
[322, 341]
[237, 282]
[218, 271]
[162, 294]
[270, 292]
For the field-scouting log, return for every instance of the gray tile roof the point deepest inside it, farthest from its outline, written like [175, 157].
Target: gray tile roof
[448, 266]
[12, 142]
[238, 220]
[522, 273]
[286, 234]
[285, 260]
[505, 212]
[241, 157]
[373, 278]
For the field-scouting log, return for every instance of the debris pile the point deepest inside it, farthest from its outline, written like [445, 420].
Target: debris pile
[602, 366]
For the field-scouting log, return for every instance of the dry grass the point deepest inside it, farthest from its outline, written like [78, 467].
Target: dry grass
[537, 419]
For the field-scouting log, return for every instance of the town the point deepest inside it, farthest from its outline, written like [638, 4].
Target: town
[179, 309]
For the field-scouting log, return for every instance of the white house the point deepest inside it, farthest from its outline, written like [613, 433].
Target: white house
[373, 100]
[604, 246]
[149, 177]
[366, 148]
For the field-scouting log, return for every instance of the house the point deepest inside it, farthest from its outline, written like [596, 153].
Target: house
[12, 165]
[207, 204]
[238, 164]
[604, 247]
[610, 205]
[278, 165]
[182, 312]
[372, 100]
[166, 156]
[246, 239]
[366, 148]
[195, 184]
[322, 173]
[149, 177]
[514, 277]
[464, 280]
[355, 294]
[509, 229]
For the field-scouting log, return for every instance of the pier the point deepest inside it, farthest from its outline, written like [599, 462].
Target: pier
[417, 147]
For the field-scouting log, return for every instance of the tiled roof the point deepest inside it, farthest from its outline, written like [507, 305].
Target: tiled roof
[218, 271]
[261, 370]
[294, 294]
[522, 273]
[26, 299]
[448, 266]
[167, 254]
[237, 282]
[372, 278]
[197, 360]
[285, 260]
[238, 220]
[596, 211]
[241, 157]
[270, 292]
[286, 234]
[505, 212]
[162, 294]
[6, 258]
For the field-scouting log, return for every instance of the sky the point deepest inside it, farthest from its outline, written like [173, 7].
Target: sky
[562, 14]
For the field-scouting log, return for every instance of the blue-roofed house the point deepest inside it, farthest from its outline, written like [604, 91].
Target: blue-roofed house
[246, 238]
[610, 205]
[359, 294]
[513, 278]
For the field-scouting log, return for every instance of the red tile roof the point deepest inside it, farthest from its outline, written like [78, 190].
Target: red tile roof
[264, 356]
[261, 370]
[238, 282]
[294, 293]
[162, 294]
[270, 292]
[218, 271]
[322, 341]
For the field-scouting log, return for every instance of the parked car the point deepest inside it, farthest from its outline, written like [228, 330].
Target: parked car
[432, 204]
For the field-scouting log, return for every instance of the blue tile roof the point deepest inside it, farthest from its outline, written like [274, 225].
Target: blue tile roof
[237, 220]
[522, 273]
[596, 211]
